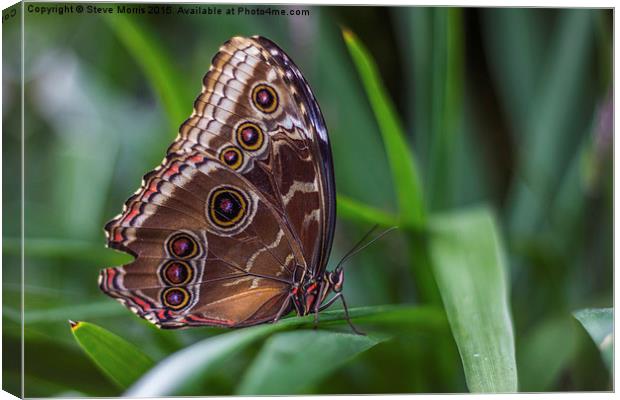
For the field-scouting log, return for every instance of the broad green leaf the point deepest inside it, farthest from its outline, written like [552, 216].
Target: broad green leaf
[469, 265]
[282, 365]
[164, 77]
[179, 373]
[356, 211]
[599, 322]
[120, 360]
[402, 161]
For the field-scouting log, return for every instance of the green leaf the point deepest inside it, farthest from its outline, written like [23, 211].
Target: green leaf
[599, 322]
[469, 265]
[120, 360]
[41, 363]
[402, 161]
[544, 352]
[154, 61]
[356, 211]
[447, 87]
[416, 40]
[181, 372]
[516, 46]
[282, 365]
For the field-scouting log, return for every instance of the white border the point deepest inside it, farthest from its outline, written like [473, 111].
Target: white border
[480, 3]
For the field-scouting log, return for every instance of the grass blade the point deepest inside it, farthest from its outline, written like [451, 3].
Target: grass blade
[120, 360]
[182, 371]
[416, 40]
[356, 211]
[469, 267]
[447, 87]
[402, 162]
[515, 42]
[599, 322]
[155, 63]
[561, 110]
[282, 366]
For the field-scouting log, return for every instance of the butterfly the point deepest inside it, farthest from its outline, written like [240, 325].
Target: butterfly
[235, 227]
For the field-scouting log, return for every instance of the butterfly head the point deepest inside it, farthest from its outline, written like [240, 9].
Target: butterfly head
[335, 279]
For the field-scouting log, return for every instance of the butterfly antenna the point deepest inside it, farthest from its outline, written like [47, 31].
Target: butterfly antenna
[360, 242]
[360, 245]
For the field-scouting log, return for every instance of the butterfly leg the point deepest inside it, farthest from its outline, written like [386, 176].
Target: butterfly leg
[346, 311]
[285, 305]
[329, 303]
[346, 315]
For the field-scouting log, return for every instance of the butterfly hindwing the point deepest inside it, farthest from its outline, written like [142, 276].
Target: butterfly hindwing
[209, 235]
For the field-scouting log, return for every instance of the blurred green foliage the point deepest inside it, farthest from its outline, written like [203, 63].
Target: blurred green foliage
[430, 111]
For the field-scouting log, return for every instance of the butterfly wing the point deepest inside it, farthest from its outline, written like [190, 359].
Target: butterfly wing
[210, 250]
[256, 142]
[293, 164]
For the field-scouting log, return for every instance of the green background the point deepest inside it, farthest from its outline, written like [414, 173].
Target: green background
[505, 109]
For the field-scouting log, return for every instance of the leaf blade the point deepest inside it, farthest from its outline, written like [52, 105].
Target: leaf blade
[468, 263]
[151, 57]
[447, 88]
[281, 366]
[599, 323]
[179, 372]
[402, 161]
[357, 211]
[120, 360]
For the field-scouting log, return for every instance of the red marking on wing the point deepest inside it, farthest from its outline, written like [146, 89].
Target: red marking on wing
[172, 170]
[150, 190]
[133, 212]
[143, 304]
[110, 274]
[161, 314]
[118, 237]
[211, 321]
[196, 158]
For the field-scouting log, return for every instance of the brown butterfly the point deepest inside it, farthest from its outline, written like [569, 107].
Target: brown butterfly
[235, 227]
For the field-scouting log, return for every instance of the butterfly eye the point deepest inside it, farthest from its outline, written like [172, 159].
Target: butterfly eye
[265, 98]
[227, 206]
[175, 298]
[250, 136]
[336, 278]
[232, 157]
[182, 246]
[176, 272]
